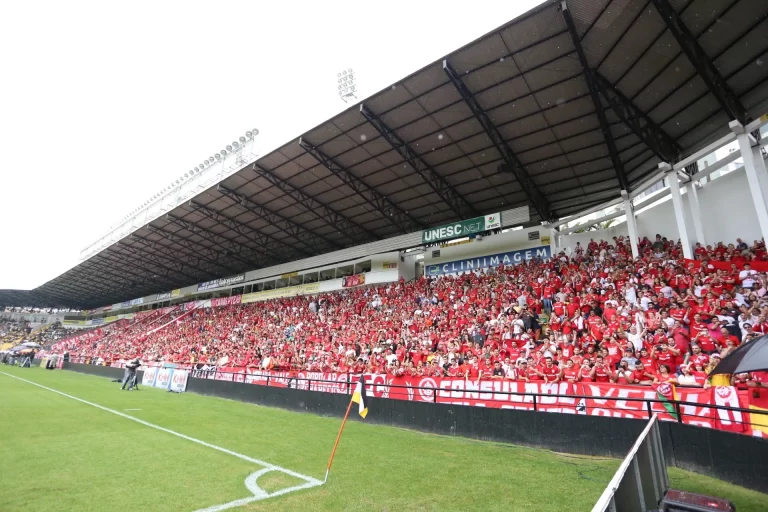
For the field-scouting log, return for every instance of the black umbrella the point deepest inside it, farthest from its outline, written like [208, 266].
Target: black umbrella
[749, 357]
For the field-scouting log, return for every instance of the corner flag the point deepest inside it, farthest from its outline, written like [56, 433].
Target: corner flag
[360, 397]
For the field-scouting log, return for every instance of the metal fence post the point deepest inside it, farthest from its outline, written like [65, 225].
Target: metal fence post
[534, 402]
[650, 410]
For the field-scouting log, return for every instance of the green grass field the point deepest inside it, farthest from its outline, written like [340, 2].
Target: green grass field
[60, 454]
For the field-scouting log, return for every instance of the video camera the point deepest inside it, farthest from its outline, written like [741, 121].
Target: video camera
[133, 364]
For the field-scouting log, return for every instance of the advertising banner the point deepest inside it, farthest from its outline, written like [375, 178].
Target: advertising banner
[163, 380]
[218, 283]
[593, 399]
[163, 296]
[461, 228]
[226, 301]
[176, 293]
[150, 374]
[137, 302]
[278, 293]
[355, 280]
[492, 260]
[179, 380]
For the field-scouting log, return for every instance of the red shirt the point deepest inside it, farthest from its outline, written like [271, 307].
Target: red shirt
[571, 374]
[601, 373]
[550, 372]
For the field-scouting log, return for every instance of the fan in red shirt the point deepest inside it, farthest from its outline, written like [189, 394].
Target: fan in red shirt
[602, 370]
[570, 373]
[550, 373]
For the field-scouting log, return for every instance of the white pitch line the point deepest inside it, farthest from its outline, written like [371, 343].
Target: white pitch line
[250, 481]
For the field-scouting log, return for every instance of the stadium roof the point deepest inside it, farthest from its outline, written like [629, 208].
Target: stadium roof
[559, 109]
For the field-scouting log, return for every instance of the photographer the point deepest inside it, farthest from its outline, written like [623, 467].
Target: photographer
[130, 374]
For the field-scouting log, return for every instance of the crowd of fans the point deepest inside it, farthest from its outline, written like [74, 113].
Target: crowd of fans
[12, 331]
[594, 314]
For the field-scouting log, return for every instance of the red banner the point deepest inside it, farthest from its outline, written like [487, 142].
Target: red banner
[355, 280]
[613, 400]
[759, 266]
[234, 300]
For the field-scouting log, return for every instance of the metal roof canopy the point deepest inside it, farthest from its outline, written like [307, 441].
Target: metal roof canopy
[559, 109]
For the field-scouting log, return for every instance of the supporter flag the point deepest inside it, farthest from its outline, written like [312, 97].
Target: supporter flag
[360, 398]
[666, 392]
[730, 419]
[758, 402]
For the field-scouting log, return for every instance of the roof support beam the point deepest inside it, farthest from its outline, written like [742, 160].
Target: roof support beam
[662, 145]
[231, 248]
[131, 266]
[145, 265]
[331, 217]
[106, 279]
[704, 66]
[192, 249]
[397, 217]
[437, 182]
[535, 197]
[177, 268]
[316, 243]
[267, 246]
[618, 165]
[107, 269]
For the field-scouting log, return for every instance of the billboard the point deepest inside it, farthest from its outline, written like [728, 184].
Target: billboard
[489, 261]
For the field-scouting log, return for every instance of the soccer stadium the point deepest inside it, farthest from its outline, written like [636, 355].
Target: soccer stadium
[530, 276]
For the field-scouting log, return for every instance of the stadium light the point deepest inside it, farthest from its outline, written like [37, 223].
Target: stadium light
[346, 85]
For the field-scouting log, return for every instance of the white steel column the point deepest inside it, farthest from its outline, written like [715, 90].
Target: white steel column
[677, 203]
[693, 203]
[629, 209]
[753, 167]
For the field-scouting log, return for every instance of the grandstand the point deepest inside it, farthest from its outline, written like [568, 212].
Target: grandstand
[441, 230]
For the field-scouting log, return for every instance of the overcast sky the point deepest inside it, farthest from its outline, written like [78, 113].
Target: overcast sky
[104, 103]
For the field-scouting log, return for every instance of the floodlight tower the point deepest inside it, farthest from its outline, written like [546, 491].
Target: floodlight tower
[346, 84]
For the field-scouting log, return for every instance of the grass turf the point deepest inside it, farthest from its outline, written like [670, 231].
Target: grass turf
[59, 454]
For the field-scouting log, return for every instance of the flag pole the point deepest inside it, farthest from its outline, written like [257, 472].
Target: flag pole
[338, 437]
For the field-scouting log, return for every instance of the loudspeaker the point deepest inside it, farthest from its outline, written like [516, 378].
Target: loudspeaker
[681, 501]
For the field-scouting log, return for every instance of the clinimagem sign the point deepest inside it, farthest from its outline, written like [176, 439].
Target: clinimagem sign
[491, 260]
[461, 228]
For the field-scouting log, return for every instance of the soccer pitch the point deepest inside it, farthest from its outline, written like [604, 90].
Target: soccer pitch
[189, 452]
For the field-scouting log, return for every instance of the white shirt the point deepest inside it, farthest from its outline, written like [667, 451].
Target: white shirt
[744, 273]
[636, 340]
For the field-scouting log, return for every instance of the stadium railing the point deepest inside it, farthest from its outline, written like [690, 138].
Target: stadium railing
[641, 480]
